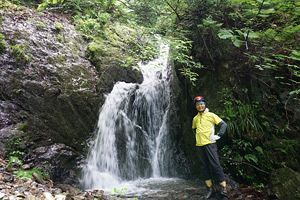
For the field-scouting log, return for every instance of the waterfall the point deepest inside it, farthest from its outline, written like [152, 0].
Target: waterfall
[132, 133]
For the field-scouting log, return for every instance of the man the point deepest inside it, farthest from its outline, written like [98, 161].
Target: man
[203, 127]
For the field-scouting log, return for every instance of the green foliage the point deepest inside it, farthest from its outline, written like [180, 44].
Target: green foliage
[22, 127]
[40, 25]
[60, 38]
[89, 27]
[180, 54]
[58, 27]
[151, 13]
[15, 153]
[125, 45]
[2, 43]
[281, 148]
[48, 3]
[244, 120]
[14, 161]
[18, 51]
[13, 147]
[246, 162]
[28, 174]
[17, 3]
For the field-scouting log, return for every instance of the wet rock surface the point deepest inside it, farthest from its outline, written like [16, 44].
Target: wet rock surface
[50, 93]
[15, 188]
[12, 187]
[286, 183]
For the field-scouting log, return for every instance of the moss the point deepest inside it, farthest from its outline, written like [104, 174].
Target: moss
[96, 48]
[60, 38]
[59, 59]
[18, 52]
[40, 25]
[59, 27]
[89, 28]
[10, 5]
[129, 61]
[22, 126]
[2, 43]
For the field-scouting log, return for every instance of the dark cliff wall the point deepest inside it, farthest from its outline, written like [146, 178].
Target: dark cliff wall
[50, 94]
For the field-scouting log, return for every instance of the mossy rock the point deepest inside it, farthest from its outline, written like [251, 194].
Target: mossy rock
[2, 43]
[286, 184]
[18, 52]
[58, 27]
[40, 26]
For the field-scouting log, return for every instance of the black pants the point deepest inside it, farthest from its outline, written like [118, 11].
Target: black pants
[208, 155]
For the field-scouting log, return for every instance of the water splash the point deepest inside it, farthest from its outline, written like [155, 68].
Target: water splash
[132, 130]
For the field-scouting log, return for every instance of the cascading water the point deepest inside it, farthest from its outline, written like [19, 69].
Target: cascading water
[132, 133]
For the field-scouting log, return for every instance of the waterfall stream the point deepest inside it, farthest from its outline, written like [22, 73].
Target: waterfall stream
[132, 142]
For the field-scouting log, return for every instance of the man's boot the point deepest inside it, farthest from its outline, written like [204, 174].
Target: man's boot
[223, 193]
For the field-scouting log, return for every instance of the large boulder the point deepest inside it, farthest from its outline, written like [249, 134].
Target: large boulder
[286, 184]
[50, 93]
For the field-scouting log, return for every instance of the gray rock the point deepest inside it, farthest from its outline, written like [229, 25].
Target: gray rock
[286, 184]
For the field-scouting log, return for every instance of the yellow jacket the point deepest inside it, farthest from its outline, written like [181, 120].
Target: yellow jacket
[204, 123]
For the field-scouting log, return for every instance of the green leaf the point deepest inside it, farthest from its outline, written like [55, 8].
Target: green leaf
[236, 42]
[209, 22]
[295, 55]
[225, 34]
[296, 92]
[259, 149]
[13, 160]
[251, 157]
[253, 35]
[42, 6]
[259, 67]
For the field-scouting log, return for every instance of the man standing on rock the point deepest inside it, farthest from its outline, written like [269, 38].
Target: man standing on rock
[203, 127]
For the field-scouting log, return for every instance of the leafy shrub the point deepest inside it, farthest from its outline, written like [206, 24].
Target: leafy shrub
[181, 48]
[245, 120]
[246, 162]
[14, 161]
[28, 174]
[13, 147]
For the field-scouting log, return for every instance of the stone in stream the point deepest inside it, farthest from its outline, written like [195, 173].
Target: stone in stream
[63, 197]
[2, 195]
[48, 196]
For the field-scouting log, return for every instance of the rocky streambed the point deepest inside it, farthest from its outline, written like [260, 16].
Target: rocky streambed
[13, 188]
[37, 188]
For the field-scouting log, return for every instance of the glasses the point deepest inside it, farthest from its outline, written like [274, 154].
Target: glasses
[200, 103]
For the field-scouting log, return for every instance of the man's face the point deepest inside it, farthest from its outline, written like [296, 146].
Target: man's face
[200, 106]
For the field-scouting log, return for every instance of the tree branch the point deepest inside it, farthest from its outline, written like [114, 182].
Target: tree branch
[247, 36]
[210, 56]
[245, 163]
[174, 9]
[286, 113]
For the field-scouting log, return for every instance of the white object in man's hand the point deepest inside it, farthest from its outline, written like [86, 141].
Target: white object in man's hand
[213, 137]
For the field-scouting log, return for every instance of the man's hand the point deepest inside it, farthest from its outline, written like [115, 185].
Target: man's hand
[194, 131]
[214, 138]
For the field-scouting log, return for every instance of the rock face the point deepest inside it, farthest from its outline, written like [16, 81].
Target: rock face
[286, 184]
[50, 93]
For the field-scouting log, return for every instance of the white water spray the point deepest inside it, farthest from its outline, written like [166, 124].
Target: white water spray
[132, 130]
